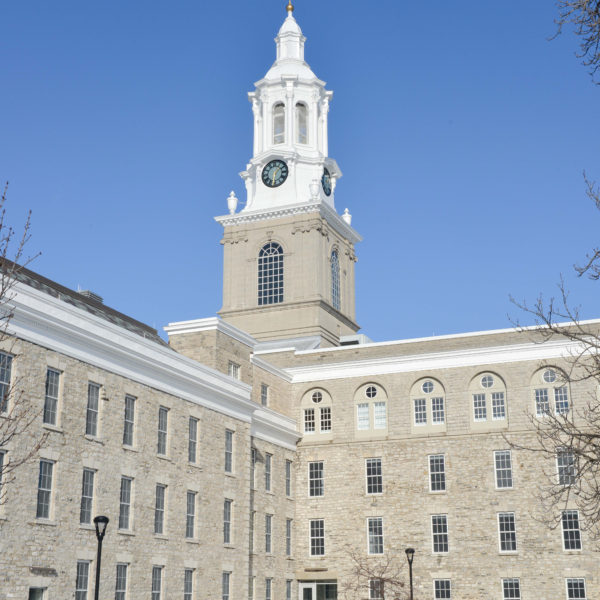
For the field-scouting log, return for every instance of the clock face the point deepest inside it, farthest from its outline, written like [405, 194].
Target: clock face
[275, 173]
[326, 182]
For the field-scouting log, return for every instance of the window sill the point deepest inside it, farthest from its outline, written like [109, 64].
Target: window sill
[53, 428]
[194, 465]
[87, 526]
[508, 552]
[49, 522]
[229, 546]
[129, 448]
[164, 457]
[438, 492]
[192, 541]
[228, 474]
[93, 438]
[269, 493]
[161, 536]
[125, 532]
[573, 551]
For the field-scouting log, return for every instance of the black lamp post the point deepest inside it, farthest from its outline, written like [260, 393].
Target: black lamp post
[410, 554]
[100, 522]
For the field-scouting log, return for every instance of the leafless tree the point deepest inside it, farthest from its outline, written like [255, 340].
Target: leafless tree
[386, 576]
[19, 443]
[576, 433]
[584, 16]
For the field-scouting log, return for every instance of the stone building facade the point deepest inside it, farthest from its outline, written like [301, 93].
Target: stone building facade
[273, 453]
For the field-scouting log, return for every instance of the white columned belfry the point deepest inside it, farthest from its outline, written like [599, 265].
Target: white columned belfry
[290, 191]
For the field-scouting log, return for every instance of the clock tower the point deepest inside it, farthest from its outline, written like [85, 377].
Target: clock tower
[288, 255]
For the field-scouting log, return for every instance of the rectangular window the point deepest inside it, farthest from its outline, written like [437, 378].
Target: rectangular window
[503, 466]
[561, 400]
[379, 415]
[44, 496]
[576, 589]
[233, 370]
[91, 415]
[227, 521]
[362, 417]
[479, 407]
[420, 411]
[374, 476]
[565, 464]
[288, 537]
[192, 439]
[5, 376]
[316, 485]
[498, 406]
[125, 503]
[251, 530]
[288, 589]
[268, 586]
[442, 589]
[439, 531]
[121, 582]
[317, 537]
[159, 509]
[264, 394]
[542, 405]
[51, 398]
[82, 580]
[87, 497]
[376, 591]
[225, 580]
[437, 411]
[163, 417]
[288, 478]
[571, 531]
[375, 535]
[511, 589]
[253, 468]
[325, 419]
[128, 421]
[190, 515]
[156, 583]
[1, 470]
[437, 473]
[309, 420]
[268, 463]
[507, 532]
[188, 584]
[228, 451]
[268, 533]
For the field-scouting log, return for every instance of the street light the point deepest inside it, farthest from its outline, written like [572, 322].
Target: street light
[100, 522]
[410, 554]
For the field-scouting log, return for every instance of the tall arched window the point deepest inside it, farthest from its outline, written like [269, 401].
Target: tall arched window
[335, 280]
[301, 124]
[270, 274]
[279, 124]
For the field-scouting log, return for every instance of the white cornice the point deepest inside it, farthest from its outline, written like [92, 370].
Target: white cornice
[210, 323]
[436, 360]
[328, 213]
[51, 323]
[273, 427]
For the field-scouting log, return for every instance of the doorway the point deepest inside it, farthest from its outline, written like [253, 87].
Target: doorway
[317, 590]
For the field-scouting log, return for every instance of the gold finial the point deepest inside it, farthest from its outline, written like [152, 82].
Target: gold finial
[290, 6]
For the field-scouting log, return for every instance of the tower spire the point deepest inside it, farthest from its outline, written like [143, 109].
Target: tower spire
[290, 6]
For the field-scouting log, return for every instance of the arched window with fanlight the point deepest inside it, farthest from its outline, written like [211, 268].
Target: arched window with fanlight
[279, 124]
[301, 123]
[335, 280]
[270, 274]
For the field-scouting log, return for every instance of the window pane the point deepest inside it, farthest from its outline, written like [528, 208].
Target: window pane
[437, 473]
[268, 462]
[375, 535]
[87, 496]
[439, 528]
[51, 398]
[124, 503]
[362, 414]
[479, 407]
[159, 509]
[441, 588]
[420, 411]
[565, 462]
[156, 583]
[503, 464]
[498, 406]
[268, 532]
[374, 476]
[121, 583]
[278, 124]
[325, 419]
[188, 584]
[228, 451]
[571, 532]
[379, 415]
[542, 406]
[5, 375]
[561, 400]
[227, 521]
[91, 418]
[576, 589]
[190, 515]
[335, 280]
[82, 579]
[301, 124]
[511, 588]
[192, 439]
[437, 411]
[270, 274]
[315, 479]
[44, 489]
[317, 537]
[507, 532]
[309, 420]
[128, 421]
[161, 446]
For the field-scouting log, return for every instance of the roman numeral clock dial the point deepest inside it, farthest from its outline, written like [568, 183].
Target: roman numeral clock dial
[275, 173]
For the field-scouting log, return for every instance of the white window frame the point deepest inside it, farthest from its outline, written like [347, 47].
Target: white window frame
[129, 421]
[570, 533]
[157, 582]
[228, 467]
[5, 380]
[268, 534]
[82, 579]
[375, 538]
[479, 407]
[234, 370]
[579, 580]
[310, 424]
[499, 471]
[92, 413]
[227, 521]
[190, 515]
[376, 589]
[44, 505]
[160, 503]
[162, 431]
[442, 536]
[438, 410]
[564, 475]
[188, 584]
[507, 593]
[439, 593]
[193, 440]
[420, 411]
[121, 578]
[507, 536]
[288, 478]
[437, 477]
[316, 541]
[373, 476]
[268, 469]
[51, 398]
[264, 394]
[225, 585]
[125, 503]
[86, 508]
[288, 536]
[316, 479]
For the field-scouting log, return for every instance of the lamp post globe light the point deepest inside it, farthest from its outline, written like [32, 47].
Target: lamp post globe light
[100, 522]
[410, 554]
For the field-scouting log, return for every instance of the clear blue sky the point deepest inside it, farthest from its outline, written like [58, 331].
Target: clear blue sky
[461, 130]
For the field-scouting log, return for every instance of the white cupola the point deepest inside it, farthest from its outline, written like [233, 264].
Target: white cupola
[290, 107]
